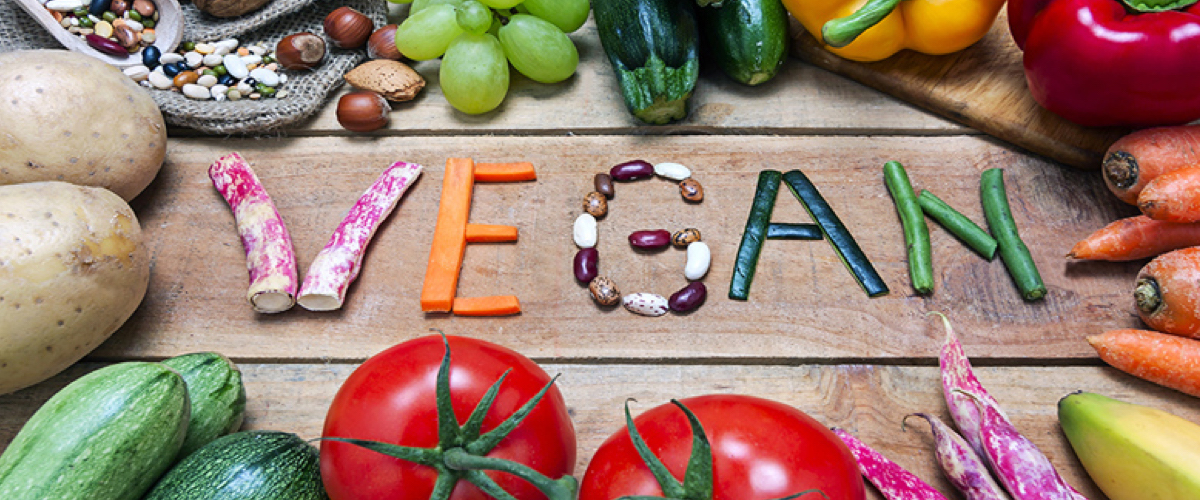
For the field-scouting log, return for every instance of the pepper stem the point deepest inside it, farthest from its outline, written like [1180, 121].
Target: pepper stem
[842, 31]
[562, 489]
[1158, 5]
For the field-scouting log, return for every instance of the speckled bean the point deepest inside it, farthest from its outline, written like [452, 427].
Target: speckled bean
[650, 239]
[596, 204]
[631, 171]
[691, 190]
[689, 297]
[685, 237]
[587, 264]
[646, 304]
[604, 291]
[585, 231]
[698, 259]
[604, 185]
[673, 171]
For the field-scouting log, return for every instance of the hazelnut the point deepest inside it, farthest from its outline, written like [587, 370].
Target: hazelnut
[300, 51]
[382, 44]
[348, 28]
[362, 111]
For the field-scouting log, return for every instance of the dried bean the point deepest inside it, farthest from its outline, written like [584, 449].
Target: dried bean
[650, 239]
[685, 237]
[688, 298]
[646, 304]
[604, 185]
[144, 7]
[691, 190]
[119, 7]
[631, 171]
[587, 264]
[596, 204]
[698, 259]
[585, 231]
[105, 45]
[604, 291]
[673, 171]
[185, 78]
[126, 36]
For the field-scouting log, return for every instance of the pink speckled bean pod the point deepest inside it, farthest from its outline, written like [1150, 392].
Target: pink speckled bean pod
[269, 255]
[957, 374]
[892, 480]
[963, 467]
[1023, 469]
[338, 264]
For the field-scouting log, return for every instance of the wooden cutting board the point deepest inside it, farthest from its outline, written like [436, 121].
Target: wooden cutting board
[982, 87]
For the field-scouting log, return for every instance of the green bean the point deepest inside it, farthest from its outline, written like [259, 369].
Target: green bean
[958, 224]
[916, 233]
[786, 231]
[1013, 251]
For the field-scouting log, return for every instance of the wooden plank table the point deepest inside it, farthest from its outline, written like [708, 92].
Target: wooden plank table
[808, 336]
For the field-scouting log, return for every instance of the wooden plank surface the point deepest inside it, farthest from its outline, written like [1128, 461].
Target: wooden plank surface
[803, 304]
[983, 87]
[869, 401]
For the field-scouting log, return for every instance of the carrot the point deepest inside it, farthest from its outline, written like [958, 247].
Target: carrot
[1134, 238]
[1138, 158]
[505, 172]
[449, 237]
[1166, 360]
[497, 305]
[1172, 196]
[1167, 292]
[490, 233]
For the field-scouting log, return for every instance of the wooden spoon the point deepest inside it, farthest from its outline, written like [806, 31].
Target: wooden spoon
[168, 31]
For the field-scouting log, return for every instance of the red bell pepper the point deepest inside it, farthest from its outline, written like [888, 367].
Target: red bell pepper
[1108, 62]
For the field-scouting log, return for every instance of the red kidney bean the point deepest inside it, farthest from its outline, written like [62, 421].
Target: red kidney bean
[689, 298]
[106, 46]
[632, 170]
[603, 183]
[651, 239]
[587, 264]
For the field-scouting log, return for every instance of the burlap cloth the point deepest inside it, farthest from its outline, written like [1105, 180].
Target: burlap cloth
[307, 90]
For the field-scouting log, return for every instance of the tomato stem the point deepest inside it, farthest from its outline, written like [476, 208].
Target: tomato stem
[459, 459]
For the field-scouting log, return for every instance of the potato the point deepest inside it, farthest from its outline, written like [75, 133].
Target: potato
[73, 268]
[69, 117]
[228, 8]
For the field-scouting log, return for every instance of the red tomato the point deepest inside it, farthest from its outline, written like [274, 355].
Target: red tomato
[761, 450]
[391, 398]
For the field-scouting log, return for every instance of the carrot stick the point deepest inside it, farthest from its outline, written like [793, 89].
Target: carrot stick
[1134, 238]
[504, 172]
[449, 237]
[497, 305]
[1166, 360]
[1167, 292]
[1172, 196]
[490, 233]
[270, 258]
[1136, 159]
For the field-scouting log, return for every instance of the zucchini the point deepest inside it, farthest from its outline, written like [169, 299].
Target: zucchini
[654, 51]
[106, 436]
[757, 226]
[218, 397]
[251, 465]
[748, 38]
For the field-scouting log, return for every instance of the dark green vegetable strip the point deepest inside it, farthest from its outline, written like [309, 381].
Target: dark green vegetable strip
[916, 233]
[784, 231]
[958, 224]
[836, 232]
[1013, 251]
[755, 234]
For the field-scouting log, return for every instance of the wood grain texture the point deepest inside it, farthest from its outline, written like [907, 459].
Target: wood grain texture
[869, 401]
[982, 87]
[803, 304]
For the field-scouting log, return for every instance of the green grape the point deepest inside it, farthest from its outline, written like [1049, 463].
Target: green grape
[418, 5]
[474, 74]
[426, 34]
[474, 17]
[501, 4]
[568, 15]
[538, 49]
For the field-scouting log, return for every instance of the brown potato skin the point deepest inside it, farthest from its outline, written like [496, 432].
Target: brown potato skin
[229, 8]
[73, 118]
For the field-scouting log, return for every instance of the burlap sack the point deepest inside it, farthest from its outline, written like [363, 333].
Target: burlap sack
[307, 90]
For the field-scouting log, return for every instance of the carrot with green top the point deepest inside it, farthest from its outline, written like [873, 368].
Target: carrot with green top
[1134, 238]
[1138, 158]
[1172, 197]
[1167, 360]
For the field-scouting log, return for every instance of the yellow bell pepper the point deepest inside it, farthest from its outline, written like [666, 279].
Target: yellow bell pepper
[872, 30]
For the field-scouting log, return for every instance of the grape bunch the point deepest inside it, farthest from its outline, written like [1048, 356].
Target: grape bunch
[478, 39]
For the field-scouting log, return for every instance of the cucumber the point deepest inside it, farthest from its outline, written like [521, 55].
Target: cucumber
[106, 436]
[251, 465]
[654, 51]
[218, 397]
[748, 38]
[757, 229]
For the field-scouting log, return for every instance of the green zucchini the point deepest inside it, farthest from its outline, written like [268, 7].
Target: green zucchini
[106, 436]
[757, 225]
[654, 51]
[250, 465]
[748, 38]
[218, 397]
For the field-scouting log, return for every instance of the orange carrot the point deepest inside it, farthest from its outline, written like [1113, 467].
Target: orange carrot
[1167, 292]
[504, 172]
[1173, 196]
[1136, 159]
[490, 233]
[1166, 360]
[497, 305]
[449, 237]
[1134, 238]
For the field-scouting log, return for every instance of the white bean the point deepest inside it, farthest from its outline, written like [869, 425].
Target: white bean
[265, 76]
[137, 73]
[160, 80]
[207, 81]
[646, 304]
[193, 59]
[213, 60]
[672, 171]
[196, 91]
[698, 259]
[585, 231]
[170, 58]
[235, 66]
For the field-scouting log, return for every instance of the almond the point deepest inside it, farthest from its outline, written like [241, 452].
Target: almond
[393, 80]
